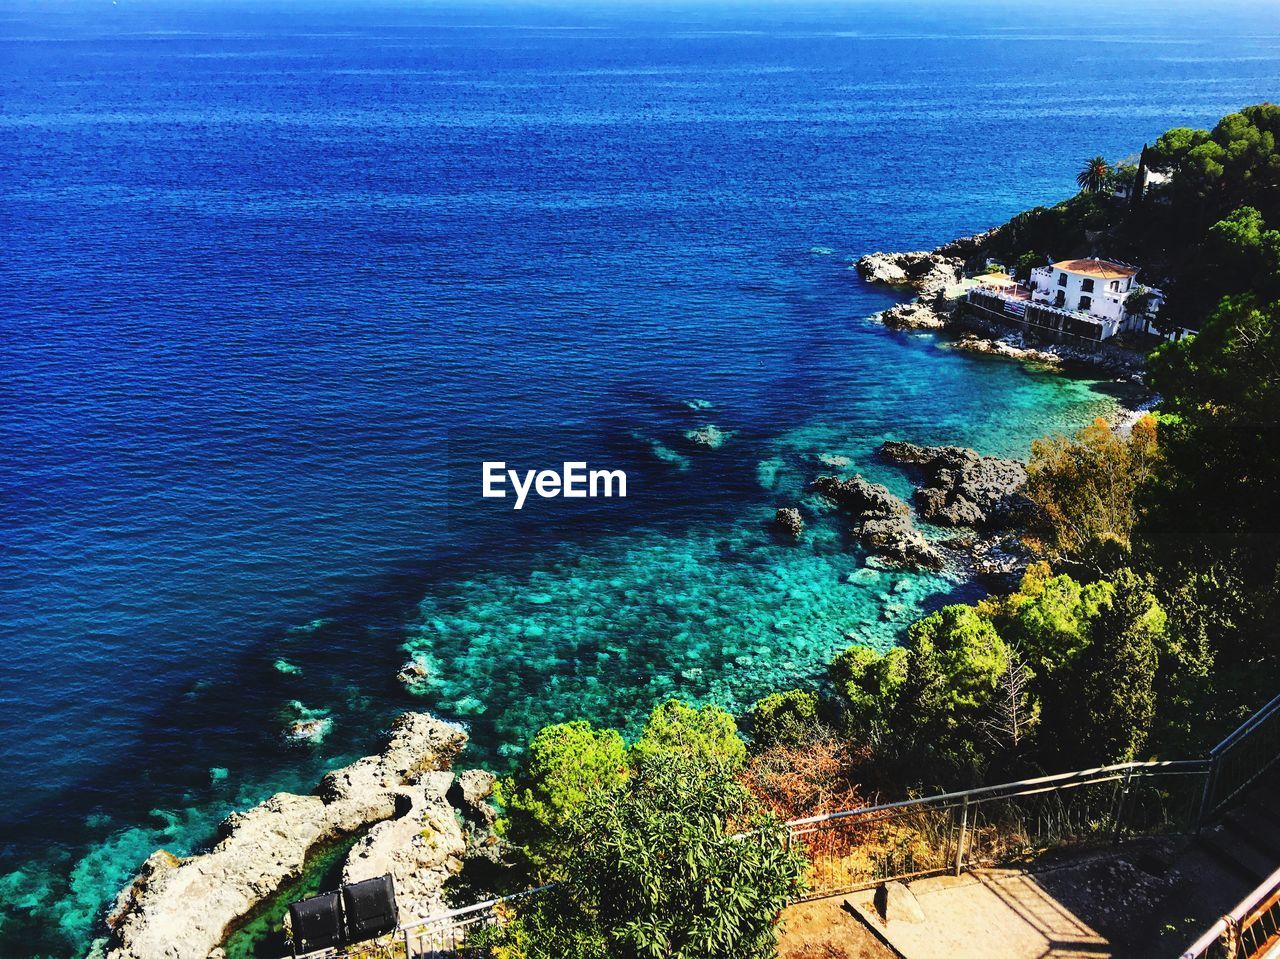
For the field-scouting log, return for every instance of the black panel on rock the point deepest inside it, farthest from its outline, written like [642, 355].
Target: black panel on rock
[317, 923]
[371, 908]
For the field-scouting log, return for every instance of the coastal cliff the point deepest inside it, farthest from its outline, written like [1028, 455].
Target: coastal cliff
[405, 801]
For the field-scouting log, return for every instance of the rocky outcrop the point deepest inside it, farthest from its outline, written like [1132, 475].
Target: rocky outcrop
[1000, 559]
[918, 314]
[928, 272]
[184, 908]
[470, 794]
[984, 336]
[880, 520]
[789, 522]
[971, 250]
[421, 848]
[962, 488]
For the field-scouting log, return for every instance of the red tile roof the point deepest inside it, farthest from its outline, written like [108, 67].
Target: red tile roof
[1104, 269]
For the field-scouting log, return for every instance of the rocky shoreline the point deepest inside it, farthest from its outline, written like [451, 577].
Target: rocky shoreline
[930, 273]
[980, 496]
[412, 816]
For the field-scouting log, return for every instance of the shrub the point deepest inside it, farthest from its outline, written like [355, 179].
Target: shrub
[1048, 618]
[1114, 696]
[869, 683]
[1084, 490]
[566, 764]
[955, 659]
[657, 872]
[785, 718]
[810, 778]
[707, 732]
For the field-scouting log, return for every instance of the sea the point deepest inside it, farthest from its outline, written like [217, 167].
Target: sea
[278, 278]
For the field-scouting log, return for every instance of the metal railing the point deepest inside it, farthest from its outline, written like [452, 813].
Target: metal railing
[1250, 929]
[954, 831]
[858, 848]
[1242, 757]
[445, 934]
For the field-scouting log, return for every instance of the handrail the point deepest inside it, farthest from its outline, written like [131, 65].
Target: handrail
[1057, 780]
[1233, 920]
[440, 917]
[1246, 727]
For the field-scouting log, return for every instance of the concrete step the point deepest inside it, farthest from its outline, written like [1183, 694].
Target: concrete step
[1254, 823]
[1238, 852]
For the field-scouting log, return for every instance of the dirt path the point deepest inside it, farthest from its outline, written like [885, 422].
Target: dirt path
[824, 929]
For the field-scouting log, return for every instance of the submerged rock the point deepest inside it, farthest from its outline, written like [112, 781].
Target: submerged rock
[789, 521]
[880, 520]
[308, 726]
[184, 908]
[416, 676]
[309, 730]
[961, 487]
[863, 577]
[709, 436]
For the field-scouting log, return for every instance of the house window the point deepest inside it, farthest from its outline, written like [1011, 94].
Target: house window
[1115, 286]
[1060, 299]
[1085, 303]
[1086, 286]
[1062, 279]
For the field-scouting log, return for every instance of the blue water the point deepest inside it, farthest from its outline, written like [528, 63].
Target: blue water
[275, 279]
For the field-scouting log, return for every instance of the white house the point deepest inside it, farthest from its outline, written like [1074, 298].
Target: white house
[1098, 289]
[1088, 299]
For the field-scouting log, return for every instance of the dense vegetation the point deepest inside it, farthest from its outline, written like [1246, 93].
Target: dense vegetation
[657, 849]
[1145, 627]
[1206, 233]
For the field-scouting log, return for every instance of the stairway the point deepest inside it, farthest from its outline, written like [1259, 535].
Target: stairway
[1207, 877]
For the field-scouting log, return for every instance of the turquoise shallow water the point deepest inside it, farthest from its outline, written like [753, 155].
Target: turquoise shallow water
[276, 279]
[719, 609]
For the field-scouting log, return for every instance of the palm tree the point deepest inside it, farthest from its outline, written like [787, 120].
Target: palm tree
[1093, 178]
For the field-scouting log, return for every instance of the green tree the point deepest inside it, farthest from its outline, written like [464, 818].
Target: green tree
[658, 873]
[1210, 511]
[955, 659]
[566, 765]
[1084, 490]
[785, 719]
[1243, 253]
[1027, 262]
[1095, 176]
[1049, 619]
[869, 683]
[1114, 691]
[707, 732]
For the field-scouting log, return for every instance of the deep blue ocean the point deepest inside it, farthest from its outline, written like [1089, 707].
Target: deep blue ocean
[275, 278]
